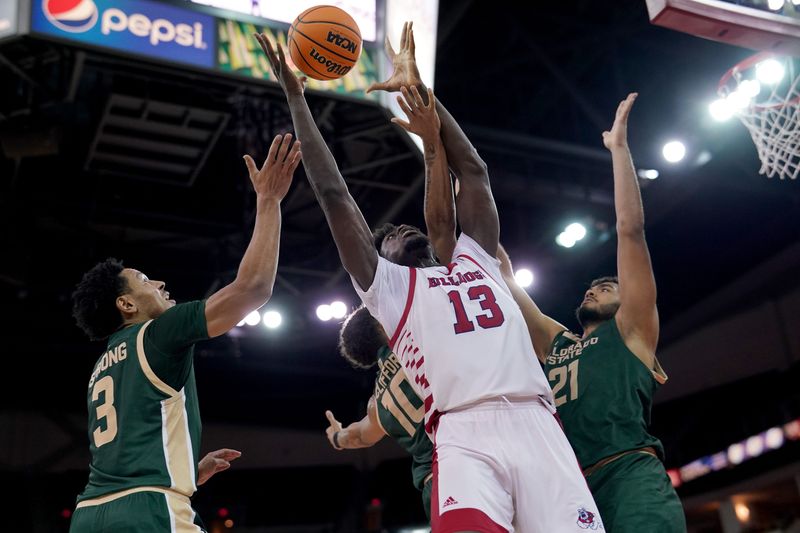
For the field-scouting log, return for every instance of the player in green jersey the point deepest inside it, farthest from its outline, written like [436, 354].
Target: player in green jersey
[394, 409]
[604, 380]
[144, 421]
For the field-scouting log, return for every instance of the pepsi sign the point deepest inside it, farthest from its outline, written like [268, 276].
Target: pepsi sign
[135, 26]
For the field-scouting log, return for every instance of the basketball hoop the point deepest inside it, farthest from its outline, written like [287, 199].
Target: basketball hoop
[763, 92]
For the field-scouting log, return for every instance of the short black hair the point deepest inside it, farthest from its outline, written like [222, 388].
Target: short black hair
[94, 304]
[604, 279]
[380, 233]
[360, 339]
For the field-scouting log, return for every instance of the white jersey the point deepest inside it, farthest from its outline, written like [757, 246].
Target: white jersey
[464, 320]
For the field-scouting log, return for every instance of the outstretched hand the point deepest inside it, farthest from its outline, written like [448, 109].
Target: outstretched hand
[290, 83]
[273, 179]
[423, 120]
[214, 462]
[618, 136]
[333, 426]
[406, 73]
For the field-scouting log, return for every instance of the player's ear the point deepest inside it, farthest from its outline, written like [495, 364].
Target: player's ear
[126, 304]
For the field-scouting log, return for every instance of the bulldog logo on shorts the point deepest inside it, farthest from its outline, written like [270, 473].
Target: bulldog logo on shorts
[586, 520]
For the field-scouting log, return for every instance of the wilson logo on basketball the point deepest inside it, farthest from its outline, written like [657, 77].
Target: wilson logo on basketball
[342, 42]
[331, 66]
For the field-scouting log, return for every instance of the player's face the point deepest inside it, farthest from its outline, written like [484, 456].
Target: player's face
[599, 303]
[407, 246]
[149, 295]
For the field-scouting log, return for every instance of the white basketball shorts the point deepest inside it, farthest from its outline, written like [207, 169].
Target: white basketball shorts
[506, 466]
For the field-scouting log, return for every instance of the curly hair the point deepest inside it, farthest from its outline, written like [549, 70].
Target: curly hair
[604, 279]
[94, 299]
[360, 339]
[380, 233]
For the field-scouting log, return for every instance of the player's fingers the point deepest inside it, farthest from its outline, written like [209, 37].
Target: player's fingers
[431, 98]
[281, 55]
[402, 123]
[273, 149]
[387, 45]
[284, 148]
[412, 47]
[226, 454]
[252, 169]
[404, 106]
[627, 105]
[290, 157]
[377, 86]
[330, 418]
[295, 162]
[403, 36]
[417, 97]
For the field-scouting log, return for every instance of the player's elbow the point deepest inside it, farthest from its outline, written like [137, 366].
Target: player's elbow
[257, 291]
[474, 165]
[333, 194]
[630, 228]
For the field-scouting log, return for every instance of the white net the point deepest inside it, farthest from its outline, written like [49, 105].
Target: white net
[763, 92]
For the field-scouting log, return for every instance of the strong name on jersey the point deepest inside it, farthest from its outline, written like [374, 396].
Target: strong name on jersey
[463, 319]
[401, 412]
[144, 421]
[603, 393]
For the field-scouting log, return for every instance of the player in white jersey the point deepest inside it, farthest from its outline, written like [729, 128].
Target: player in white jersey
[502, 462]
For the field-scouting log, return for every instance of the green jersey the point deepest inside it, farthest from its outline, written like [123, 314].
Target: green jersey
[603, 393]
[401, 413]
[144, 421]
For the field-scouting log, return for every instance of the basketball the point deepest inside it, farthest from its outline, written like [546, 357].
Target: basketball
[324, 42]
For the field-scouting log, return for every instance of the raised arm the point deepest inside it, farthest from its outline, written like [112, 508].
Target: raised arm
[637, 316]
[476, 210]
[541, 327]
[440, 210]
[256, 275]
[362, 434]
[350, 231]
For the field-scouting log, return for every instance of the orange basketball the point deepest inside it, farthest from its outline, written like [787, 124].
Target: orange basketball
[324, 42]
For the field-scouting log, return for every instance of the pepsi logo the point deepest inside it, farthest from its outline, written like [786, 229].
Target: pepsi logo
[74, 16]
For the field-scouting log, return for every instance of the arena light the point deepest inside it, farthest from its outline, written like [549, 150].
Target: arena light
[565, 240]
[720, 109]
[576, 231]
[674, 151]
[754, 446]
[252, 318]
[775, 5]
[338, 309]
[770, 71]
[742, 511]
[272, 319]
[324, 312]
[751, 88]
[736, 453]
[774, 437]
[523, 277]
[648, 173]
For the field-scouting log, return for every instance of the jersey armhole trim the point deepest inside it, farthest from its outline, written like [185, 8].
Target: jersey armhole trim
[658, 372]
[412, 284]
[465, 256]
[145, 365]
[378, 417]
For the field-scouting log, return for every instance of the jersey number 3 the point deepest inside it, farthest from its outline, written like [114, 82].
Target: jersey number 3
[482, 293]
[105, 410]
